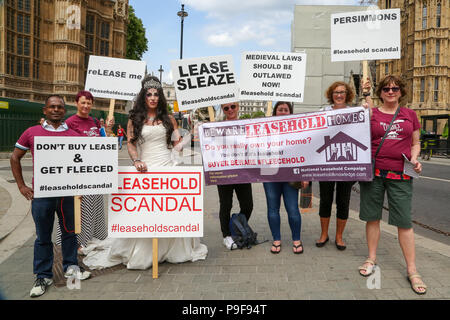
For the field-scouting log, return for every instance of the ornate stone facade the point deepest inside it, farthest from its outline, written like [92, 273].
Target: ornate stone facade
[425, 56]
[46, 45]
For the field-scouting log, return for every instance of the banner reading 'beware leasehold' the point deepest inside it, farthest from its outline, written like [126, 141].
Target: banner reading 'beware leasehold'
[318, 146]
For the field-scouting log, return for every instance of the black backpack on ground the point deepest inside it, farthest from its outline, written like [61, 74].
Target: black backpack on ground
[241, 233]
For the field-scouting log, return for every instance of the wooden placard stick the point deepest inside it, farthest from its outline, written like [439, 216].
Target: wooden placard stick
[77, 213]
[269, 109]
[109, 131]
[155, 259]
[211, 114]
[365, 70]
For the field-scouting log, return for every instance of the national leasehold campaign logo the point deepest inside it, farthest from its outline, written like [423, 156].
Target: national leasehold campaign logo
[341, 148]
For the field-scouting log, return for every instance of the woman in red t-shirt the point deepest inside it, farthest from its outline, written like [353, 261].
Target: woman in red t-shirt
[120, 134]
[401, 140]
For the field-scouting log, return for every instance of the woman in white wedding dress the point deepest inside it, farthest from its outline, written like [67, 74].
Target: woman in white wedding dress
[151, 136]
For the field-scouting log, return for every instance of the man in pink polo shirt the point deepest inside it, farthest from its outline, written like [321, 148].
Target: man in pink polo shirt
[43, 209]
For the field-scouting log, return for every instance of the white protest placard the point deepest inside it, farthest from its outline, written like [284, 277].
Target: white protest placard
[317, 146]
[269, 76]
[203, 82]
[74, 166]
[164, 202]
[365, 35]
[114, 78]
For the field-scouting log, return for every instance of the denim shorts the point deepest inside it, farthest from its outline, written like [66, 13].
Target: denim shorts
[399, 195]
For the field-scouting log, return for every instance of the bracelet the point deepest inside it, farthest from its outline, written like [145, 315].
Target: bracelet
[136, 160]
[366, 94]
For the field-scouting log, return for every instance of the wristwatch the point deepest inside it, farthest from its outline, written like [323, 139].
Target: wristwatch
[135, 160]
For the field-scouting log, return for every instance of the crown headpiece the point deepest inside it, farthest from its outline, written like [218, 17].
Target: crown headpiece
[151, 84]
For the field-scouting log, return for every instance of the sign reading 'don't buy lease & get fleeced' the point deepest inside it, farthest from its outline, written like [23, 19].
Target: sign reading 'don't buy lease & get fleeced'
[365, 35]
[164, 202]
[114, 78]
[74, 166]
[272, 76]
[203, 82]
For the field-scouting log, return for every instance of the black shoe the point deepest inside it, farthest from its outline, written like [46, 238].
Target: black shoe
[339, 246]
[321, 244]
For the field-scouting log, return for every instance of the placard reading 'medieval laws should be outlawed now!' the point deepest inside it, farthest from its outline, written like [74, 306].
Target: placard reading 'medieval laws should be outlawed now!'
[365, 35]
[114, 78]
[271, 76]
[74, 166]
[203, 82]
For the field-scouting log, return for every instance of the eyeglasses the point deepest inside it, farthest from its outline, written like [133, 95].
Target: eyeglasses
[149, 94]
[336, 93]
[387, 89]
[233, 106]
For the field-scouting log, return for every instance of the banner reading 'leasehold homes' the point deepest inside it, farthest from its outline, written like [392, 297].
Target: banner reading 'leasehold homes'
[318, 146]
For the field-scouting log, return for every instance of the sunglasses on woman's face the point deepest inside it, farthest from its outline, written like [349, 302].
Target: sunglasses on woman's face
[233, 106]
[149, 94]
[387, 89]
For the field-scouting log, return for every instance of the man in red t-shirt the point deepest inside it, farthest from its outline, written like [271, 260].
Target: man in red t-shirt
[43, 209]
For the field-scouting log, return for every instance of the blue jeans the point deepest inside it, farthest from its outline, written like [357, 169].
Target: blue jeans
[120, 141]
[274, 190]
[43, 212]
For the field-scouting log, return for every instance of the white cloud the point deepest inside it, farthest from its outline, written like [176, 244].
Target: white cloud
[265, 22]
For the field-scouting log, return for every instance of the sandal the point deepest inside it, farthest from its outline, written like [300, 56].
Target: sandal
[369, 269]
[415, 286]
[295, 247]
[276, 251]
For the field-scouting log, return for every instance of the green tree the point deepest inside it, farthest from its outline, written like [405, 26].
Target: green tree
[136, 40]
[258, 114]
[245, 116]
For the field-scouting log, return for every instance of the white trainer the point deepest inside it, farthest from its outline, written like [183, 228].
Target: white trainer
[81, 274]
[229, 243]
[40, 286]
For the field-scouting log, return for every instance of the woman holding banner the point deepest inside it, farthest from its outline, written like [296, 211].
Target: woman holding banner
[93, 223]
[152, 134]
[395, 134]
[339, 95]
[274, 190]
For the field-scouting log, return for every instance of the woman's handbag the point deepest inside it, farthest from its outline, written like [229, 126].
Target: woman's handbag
[382, 140]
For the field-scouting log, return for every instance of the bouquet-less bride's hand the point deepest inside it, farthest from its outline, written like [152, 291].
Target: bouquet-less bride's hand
[140, 166]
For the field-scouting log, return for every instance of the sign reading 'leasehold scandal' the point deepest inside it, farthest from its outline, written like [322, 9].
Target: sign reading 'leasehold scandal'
[163, 202]
[318, 146]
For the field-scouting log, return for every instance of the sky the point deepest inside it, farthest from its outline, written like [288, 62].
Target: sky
[216, 27]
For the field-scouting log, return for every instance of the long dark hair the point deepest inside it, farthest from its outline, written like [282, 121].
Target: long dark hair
[138, 114]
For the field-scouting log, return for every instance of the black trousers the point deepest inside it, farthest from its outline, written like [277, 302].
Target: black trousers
[245, 198]
[343, 192]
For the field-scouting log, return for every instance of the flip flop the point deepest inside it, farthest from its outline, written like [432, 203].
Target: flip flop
[276, 246]
[415, 287]
[298, 246]
[368, 269]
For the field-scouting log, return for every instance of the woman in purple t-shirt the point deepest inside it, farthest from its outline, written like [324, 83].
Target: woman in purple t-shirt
[93, 221]
[402, 139]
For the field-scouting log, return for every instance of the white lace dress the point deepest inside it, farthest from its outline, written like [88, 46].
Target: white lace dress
[137, 253]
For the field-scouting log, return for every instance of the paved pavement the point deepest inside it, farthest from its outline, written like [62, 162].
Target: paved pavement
[254, 274]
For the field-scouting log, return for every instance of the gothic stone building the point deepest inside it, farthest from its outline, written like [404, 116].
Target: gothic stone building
[45, 45]
[425, 54]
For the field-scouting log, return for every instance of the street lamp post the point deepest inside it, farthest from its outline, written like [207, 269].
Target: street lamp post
[182, 14]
